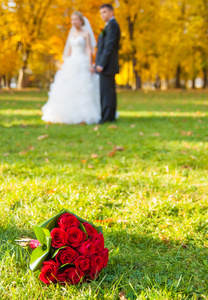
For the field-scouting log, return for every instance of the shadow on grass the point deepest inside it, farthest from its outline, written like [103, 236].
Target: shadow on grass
[145, 263]
[8, 246]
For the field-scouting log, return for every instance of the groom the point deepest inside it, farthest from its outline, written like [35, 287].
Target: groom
[107, 62]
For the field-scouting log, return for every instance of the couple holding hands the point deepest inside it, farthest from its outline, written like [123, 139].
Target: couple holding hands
[83, 92]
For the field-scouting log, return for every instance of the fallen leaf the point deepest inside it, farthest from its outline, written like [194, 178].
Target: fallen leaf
[96, 128]
[94, 155]
[122, 296]
[112, 127]
[6, 154]
[189, 133]
[112, 153]
[23, 242]
[42, 137]
[132, 125]
[52, 191]
[101, 147]
[141, 133]
[23, 125]
[183, 152]
[156, 134]
[82, 123]
[47, 160]
[186, 166]
[118, 148]
[22, 152]
[164, 238]
[103, 176]
[90, 167]
[109, 143]
[194, 157]
[187, 146]
[184, 246]
[83, 161]
[111, 220]
[30, 147]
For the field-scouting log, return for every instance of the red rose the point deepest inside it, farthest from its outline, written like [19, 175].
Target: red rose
[90, 229]
[82, 264]
[87, 249]
[75, 237]
[59, 238]
[67, 221]
[34, 244]
[49, 271]
[66, 256]
[98, 240]
[104, 254]
[73, 276]
[61, 278]
[96, 263]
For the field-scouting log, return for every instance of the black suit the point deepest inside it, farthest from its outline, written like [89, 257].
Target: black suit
[107, 57]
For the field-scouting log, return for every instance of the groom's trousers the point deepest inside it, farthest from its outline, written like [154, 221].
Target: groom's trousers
[108, 97]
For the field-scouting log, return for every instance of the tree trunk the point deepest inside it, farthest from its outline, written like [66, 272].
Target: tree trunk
[138, 80]
[167, 82]
[25, 56]
[193, 83]
[131, 24]
[178, 73]
[157, 82]
[205, 84]
[9, 82]
[20, 78]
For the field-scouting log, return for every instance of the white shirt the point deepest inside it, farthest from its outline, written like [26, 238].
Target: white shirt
[109, 21]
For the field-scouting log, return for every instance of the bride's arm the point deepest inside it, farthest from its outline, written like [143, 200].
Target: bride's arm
[89, 51]
[69, 53]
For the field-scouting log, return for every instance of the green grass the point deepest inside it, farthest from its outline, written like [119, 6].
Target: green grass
[154, 192]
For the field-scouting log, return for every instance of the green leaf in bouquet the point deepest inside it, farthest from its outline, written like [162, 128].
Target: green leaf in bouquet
[41, 234]
[52, 222]
[57, 251]
[81, 227]
[39, 255]
[99, 229]
[69, 265]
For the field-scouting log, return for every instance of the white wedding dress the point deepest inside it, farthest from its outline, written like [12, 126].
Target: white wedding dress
[74, 96]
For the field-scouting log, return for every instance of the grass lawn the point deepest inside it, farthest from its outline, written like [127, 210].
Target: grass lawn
[150, 198]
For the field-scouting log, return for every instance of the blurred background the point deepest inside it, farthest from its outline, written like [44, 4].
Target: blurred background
[164, 43]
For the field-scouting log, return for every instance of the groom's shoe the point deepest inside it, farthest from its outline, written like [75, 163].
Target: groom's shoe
[101, 122]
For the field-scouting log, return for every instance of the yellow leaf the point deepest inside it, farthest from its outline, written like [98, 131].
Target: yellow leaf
[42, 137]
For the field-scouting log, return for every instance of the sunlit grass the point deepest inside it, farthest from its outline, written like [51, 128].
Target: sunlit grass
[151, 198]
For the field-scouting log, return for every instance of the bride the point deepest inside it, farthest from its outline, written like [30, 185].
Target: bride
[74, 95]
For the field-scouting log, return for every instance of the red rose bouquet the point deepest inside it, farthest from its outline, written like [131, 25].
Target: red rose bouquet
[68, 249]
